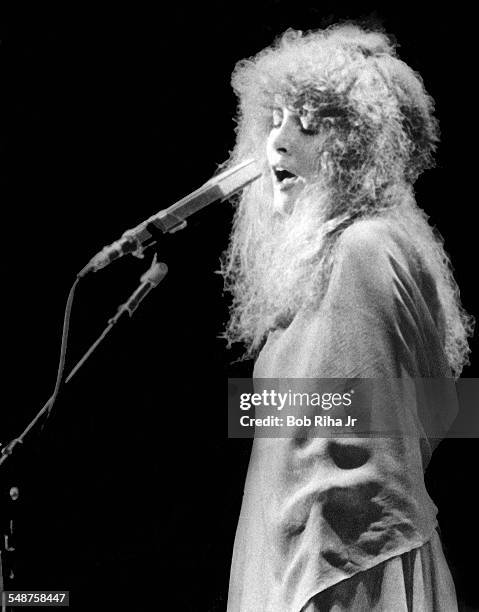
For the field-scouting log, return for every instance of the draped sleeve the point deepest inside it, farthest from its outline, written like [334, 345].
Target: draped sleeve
[315, 513]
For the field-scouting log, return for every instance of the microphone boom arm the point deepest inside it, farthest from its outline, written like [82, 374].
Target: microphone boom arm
[172, 219]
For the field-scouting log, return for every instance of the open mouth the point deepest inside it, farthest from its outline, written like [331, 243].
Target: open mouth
[284, 177]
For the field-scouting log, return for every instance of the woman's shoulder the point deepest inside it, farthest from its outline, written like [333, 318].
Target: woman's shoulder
[373, 250]
[371, 234]
[369, 241]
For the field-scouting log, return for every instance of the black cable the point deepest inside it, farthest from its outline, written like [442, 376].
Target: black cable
[63, 347]
[7, 450]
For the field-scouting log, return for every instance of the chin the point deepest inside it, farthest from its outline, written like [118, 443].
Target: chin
[283, 204]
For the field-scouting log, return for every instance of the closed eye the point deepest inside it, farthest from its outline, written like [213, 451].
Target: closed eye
[313, 120]
[309, 131]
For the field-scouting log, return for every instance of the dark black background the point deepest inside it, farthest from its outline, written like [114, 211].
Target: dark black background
[132, 491]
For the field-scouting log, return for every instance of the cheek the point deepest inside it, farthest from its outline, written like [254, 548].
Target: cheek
[269, 146]
[313, 161]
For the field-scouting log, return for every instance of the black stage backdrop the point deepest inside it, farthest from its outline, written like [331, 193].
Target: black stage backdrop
[131, 492]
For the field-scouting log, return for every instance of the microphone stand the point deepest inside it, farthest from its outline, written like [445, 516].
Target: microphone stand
[149, 280]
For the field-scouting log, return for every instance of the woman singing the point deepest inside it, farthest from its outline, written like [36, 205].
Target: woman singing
[336, 274]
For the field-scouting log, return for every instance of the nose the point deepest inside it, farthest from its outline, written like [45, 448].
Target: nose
[283, 138]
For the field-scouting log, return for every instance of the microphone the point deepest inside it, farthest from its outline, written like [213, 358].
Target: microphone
[150, 279]
[172, 219]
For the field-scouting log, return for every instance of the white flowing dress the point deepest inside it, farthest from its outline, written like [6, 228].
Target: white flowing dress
[347, 524]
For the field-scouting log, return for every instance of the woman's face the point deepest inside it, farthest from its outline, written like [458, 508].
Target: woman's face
[292, 148]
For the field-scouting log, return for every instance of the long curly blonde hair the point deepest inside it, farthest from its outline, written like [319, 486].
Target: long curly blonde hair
[384, 138]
